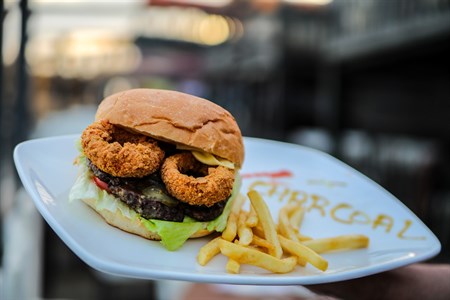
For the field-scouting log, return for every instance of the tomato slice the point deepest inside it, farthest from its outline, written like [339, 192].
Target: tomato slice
[101, 184]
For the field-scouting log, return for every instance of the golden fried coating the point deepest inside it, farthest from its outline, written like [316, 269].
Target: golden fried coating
[119, 152]
[206, 186]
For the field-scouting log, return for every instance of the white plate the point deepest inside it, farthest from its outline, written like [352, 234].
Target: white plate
[333, 192]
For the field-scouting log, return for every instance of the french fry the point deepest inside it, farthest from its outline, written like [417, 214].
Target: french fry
[342, 242]
[304, 253]
[301, 261]
[296, 214]
[232, 266]
[252, 219]
[260, 242]
[296, 217]
[245, 233]
[301, 237]
[252, 237]
[267, 223]
[284, 226]
[231, 229]
[290, 207]
[208, 251]
[259, 231]
[245, 255]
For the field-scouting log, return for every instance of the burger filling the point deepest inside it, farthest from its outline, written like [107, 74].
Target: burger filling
[149, 197]
[147, 200]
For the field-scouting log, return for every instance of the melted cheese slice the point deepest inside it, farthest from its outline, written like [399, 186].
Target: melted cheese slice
[211, 160]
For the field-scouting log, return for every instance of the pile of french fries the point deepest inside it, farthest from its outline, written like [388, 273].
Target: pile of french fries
[252, 237]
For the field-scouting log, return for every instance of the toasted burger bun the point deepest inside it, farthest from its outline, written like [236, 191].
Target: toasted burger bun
[176, 118]
[135, 226]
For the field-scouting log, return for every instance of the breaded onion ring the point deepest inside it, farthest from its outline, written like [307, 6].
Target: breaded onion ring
[119, 152]
[212, 184]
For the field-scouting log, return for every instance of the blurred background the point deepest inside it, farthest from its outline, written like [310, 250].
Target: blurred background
[367, 81]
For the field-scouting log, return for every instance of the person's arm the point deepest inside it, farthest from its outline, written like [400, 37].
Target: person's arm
[417, 281]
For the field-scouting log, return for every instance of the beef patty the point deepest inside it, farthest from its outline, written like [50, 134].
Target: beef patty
[149, 198]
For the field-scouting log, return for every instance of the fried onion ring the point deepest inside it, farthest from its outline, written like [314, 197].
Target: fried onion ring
[207, 186]
[119, 152]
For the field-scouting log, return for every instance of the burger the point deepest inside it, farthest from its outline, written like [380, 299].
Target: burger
[160, 164]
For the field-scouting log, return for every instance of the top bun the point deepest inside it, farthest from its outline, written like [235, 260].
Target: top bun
[176, 118]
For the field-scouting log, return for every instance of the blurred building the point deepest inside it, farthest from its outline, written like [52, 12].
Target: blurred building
[365, 80]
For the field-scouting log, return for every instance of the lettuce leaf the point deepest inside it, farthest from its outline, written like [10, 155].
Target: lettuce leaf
[173, 234]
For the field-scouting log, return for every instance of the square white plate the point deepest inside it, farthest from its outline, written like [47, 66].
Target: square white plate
[338, 199]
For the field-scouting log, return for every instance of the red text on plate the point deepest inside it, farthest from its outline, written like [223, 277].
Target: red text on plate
[277, 174]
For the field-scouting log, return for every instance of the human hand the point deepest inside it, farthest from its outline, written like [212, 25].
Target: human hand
[417, 281]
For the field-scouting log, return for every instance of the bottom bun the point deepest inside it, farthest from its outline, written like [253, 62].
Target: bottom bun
[133, 226]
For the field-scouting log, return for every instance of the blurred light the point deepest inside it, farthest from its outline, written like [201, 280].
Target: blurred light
[236, 28]
[10, 3]
[213, 30]
[189, 25]
[82, 54]
[308, 2]
[11, 35]
[208, 3]
[266, 5]
[83, 2]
